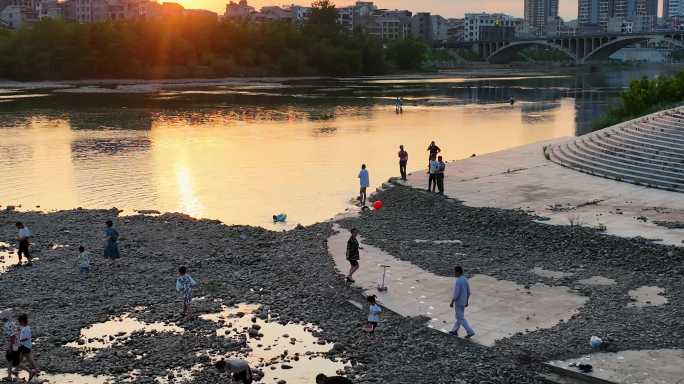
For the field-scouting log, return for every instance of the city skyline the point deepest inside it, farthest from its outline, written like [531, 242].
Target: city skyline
[446, 8]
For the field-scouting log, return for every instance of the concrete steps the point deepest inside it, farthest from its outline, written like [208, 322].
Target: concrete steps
[647, 151]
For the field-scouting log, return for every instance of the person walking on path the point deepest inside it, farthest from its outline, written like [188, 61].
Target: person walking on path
[403, 160]
[439, 176]
[11, 334]
[323, 379]
[432, 178]
[23, 236]
[84, 258]
[184, 285]
[364, 181]
[434, 150]
[111, 248]
[26, 346]
[353, 254]
[459, 302]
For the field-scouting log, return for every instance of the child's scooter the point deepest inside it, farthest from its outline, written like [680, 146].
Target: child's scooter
[382, 287]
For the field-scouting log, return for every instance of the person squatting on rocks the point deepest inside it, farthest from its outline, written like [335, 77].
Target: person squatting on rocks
[439, 175]
[84, 258]
[239, 369]
[364, 181]
[23, 237]
[111, 246]
[432, 179]
[403, 160]
[373, 314]
[11, 334]
[434, 150]
[353, 254]
[323, 379]
[459, 302]
[26, 346]
[184, 284]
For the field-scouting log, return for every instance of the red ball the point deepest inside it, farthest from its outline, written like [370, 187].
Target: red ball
[377, 204]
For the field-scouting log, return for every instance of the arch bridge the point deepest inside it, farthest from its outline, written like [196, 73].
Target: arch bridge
[578, 48]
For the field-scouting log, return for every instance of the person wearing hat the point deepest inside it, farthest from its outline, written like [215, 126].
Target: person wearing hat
[11, 334]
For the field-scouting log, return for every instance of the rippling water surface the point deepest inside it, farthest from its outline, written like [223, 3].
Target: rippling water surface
[243, 151]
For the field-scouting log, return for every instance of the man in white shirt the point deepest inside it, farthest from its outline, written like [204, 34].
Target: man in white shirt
[364, 182]
[23, 237]
[432, 180]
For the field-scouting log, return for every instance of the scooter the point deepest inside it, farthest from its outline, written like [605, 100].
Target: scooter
[382, 287]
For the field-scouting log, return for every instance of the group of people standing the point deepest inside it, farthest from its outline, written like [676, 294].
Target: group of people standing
[436, 167]
[19, 344]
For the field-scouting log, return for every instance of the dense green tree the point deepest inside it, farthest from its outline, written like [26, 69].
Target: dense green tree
[645, 96]
[407, 54]
[190, 46]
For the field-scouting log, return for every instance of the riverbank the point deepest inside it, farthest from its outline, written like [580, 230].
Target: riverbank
[289, 273]
[293, 276]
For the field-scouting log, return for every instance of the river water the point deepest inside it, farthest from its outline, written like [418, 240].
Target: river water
[241, 151]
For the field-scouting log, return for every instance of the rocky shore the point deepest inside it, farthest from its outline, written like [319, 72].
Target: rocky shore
[509, 244]
[291, 275]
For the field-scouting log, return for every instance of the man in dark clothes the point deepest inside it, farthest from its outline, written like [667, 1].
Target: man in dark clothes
[323, 379]
[353, 254]
[439, 176]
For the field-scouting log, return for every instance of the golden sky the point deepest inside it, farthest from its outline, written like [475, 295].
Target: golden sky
[446, 8]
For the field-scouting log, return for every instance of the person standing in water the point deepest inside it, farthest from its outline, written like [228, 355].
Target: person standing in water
[364, 181]
[403, 160]
[23, 237]
[111, 247]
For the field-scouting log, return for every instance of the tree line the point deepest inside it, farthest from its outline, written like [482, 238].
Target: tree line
[197, 46]
[644, 96]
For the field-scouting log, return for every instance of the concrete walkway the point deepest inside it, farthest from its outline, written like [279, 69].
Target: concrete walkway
[660, 366]
[498, 308]
[523, 178]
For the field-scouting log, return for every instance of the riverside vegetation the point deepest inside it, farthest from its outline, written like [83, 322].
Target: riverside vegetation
[195, 45]
[644, 96]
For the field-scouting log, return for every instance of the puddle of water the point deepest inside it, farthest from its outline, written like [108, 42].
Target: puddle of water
[8, 257]
[117, 330]
[284, 352]
[67, 378]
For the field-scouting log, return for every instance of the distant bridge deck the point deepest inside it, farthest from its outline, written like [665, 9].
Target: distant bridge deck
[581, 48]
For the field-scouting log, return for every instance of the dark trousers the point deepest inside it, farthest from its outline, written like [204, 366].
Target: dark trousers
[24, 250]
[440, 182]
[402, 169]
[432, 182]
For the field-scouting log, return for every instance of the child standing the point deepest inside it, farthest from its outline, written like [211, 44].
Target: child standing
[26, 346]
[84, 258]
[373, 314]
[184, 284]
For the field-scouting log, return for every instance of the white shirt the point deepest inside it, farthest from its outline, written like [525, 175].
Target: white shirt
[24, 233]
[25, 337]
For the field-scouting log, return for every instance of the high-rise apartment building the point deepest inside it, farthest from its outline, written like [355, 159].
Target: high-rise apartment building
[597, 13]
[539, 13]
